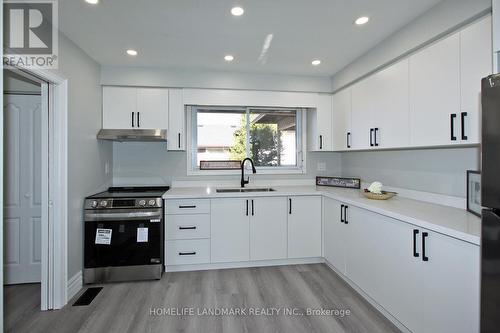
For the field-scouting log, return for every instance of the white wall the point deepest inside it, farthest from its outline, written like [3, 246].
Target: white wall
[86, 155]
[154, 77]
[445, 17]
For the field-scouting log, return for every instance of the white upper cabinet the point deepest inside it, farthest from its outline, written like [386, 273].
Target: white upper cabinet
[135, 108]
[341, 120]
[475, 63]
[319, 122]
[176, 121]
[304, 227]
[380, 109]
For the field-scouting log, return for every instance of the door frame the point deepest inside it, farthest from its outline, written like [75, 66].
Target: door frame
[54, 275]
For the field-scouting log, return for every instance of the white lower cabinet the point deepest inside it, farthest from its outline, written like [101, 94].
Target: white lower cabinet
[188, 252]
[304, 227]
[428, 281]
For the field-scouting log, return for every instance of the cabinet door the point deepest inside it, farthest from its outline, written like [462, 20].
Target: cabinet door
[451, 292]
[119, 108]
[334, 236]
[319, 123]
[268, 228]
[341, 123]
[152, 108]
[229, 230]
[304, 227]
[363, 95]
[475, 63]
[435, 93]
[176, 121]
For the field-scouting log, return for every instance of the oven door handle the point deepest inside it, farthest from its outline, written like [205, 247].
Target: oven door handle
[122, 216]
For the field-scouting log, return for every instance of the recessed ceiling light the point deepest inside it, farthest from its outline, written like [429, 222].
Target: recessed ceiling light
[92, 2]
[316, 62]
[132, 52]
[237, 11]
[362, 20]
[229, 57]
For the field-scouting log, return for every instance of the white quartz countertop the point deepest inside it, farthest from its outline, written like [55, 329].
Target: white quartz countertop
[454, 222]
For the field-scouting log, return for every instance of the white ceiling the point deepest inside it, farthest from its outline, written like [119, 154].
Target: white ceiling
[196, 34]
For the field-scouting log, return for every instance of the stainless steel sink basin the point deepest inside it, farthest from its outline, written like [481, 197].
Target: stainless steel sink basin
[243, 190]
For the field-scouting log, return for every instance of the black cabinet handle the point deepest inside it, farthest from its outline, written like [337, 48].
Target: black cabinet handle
[247, 209]
[348, 139]
[290, 207]
[371, 137]
[345, 214]
[183, 207]
[342, 213]
[424, 236]
[252, 209]
[187, 253]
[321, 142]
[463, 115]
[133, 116]
[179, 140]
[187, 228]
[138, 119]
[415, 253]
[452, 126]
[375, 131]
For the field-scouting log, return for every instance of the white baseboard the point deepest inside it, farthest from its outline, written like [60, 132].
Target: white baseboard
[243, 264]
[370, 300]
[74, 285]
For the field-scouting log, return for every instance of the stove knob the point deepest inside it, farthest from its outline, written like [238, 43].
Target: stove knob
[142, 202]
[93, 204]
[103, 203]
[152, 202]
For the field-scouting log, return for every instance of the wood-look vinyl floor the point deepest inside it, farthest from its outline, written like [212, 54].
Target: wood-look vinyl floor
[127, 307]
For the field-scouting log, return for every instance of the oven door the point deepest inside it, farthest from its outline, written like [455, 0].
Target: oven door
[123, 237]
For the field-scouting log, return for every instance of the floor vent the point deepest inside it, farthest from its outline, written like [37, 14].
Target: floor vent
[88, 296]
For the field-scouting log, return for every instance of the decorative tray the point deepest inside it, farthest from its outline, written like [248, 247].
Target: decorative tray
[374, 196]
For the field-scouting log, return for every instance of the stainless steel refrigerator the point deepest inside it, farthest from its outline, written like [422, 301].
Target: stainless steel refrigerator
[490, 195]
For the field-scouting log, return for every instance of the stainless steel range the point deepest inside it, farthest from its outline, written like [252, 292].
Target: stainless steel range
[124, 234]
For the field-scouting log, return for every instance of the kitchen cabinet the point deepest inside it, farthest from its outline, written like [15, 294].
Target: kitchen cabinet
[230, 227]
[475, 63]
[176, 121]
[135, 108]
[380, 110]
[341, 120]
[268, 228]
[319, 121]
[435, 93]
[335, 234]
[304, 227]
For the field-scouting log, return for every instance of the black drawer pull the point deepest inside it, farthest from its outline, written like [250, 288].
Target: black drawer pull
[342, 213]
[187, 253]
[463, 115]
[252, 209]
[290, 207]
[415, 253]
[345, 214]
[424, 236]
[179, 140]
[371, 137]
[184, 207]
[375, 131]
[133, 118]
[321, 142]
[452, 126]
[138, 119]
[348, 139]
[187, 228]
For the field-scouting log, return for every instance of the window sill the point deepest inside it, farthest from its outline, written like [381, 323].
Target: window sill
[294, 171]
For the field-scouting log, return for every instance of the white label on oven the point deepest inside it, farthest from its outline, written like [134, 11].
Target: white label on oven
[103, 236]
[142, 235]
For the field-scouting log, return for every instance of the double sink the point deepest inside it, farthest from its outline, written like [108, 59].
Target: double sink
[244, 190]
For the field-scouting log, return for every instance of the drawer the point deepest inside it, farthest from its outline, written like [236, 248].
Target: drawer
[186, 252]
[188, 226]
[186, 206]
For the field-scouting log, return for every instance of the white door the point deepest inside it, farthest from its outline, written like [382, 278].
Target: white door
[341, 123]
[230, 230]
[435, 93]
[451, 291]
[119, 108]
[152, 108]
[334, 236]
[304, 227]
[268, 236]
[475, 63]
[22, 189]
[176, 120]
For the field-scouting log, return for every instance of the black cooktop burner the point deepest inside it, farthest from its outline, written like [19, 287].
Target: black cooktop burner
[132, 192]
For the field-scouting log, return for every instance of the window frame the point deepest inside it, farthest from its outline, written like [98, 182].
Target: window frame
[192, 146]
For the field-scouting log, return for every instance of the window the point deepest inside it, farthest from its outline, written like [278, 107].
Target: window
[271, 137]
